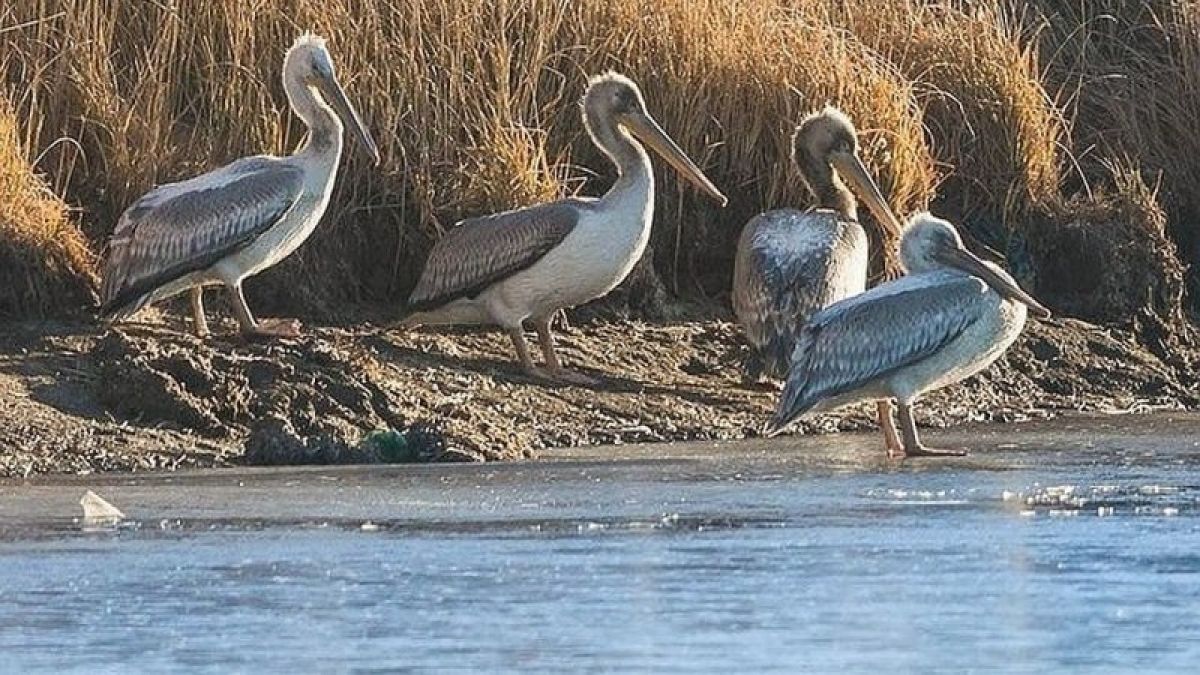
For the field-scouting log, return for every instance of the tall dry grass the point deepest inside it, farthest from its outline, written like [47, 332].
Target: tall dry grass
[473, 103]
[993, 126]
[474, 107]
[1129, 73]
[45, 263]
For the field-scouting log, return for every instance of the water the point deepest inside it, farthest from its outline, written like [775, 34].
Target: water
[1067, 545]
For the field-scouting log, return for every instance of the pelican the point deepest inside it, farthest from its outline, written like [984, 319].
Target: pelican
[950, 317]
[791, 263]
[232, 223]
[529, 263]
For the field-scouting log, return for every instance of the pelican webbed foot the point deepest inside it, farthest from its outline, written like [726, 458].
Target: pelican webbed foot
[913, 447]
[269, 329]
[923, 451]
[553, 369]
[576, 378]
[274, 328]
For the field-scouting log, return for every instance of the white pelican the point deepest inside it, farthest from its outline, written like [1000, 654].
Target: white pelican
[791, 263]
[236, 221]
[529, 263]
[949, 318]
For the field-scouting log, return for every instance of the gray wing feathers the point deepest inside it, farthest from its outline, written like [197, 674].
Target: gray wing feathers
[185, 227]
[481, 251]
[779, 283]
[854, 342]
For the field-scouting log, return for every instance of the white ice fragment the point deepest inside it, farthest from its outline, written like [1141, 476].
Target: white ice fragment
[1063, 512]
[97, 511]
[1028, 513]
[1009, 496]
[369, 527]
[1104, 510]
[1170, 511]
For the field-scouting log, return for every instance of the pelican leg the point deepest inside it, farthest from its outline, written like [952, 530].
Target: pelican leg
[199, 322]
[556, 371]
[912, 443]
[895, 448]
[518, 339]
[269, 328]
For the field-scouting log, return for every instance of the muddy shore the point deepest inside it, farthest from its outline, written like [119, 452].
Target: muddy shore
[78, 398]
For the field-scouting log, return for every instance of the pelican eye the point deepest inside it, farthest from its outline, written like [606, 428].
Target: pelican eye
[625, 101]
[321, 68]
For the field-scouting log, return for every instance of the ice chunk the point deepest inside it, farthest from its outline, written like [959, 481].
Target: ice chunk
[96, 511]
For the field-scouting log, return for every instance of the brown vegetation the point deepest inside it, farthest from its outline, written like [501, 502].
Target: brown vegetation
[1037, 125]
[44, 260]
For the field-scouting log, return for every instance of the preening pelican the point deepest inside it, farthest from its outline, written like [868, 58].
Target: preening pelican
[949, 318]
[236, 221]
[791, 263]
[527, 264]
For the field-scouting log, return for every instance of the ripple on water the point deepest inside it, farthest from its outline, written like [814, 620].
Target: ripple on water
[1104, 500]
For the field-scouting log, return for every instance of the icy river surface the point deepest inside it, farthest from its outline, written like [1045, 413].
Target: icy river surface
[1055, 545]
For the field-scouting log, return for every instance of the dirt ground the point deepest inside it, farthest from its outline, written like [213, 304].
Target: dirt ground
[76, 397]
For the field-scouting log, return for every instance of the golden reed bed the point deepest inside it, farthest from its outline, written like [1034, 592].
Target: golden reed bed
[1055, 135]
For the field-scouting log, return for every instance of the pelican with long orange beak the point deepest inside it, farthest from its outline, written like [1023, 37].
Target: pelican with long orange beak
[527, 264]
[951, 316]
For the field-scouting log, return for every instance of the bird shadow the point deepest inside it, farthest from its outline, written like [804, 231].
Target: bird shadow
[55, 362]
[510, 371]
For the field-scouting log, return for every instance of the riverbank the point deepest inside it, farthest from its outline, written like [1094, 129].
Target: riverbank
[77, 398]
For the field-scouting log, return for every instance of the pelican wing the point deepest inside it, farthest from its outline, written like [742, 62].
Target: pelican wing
[478, 252]
[786, 269]
[180, 228]
[863, 338]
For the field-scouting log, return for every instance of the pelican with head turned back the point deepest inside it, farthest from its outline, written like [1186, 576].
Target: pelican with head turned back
[232, 223]
[950, 317]
[529, 263]
[792, 263]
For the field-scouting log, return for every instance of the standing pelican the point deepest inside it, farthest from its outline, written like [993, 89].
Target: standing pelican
[949, 318]
[792, 263]
[529, 263]
[236, 221]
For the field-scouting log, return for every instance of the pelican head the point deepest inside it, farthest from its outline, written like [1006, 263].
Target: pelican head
[827, 140]
[930, 243]
[613, 98]
[308, 62]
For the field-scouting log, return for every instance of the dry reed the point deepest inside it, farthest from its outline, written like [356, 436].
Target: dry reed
[44, 260]
[474, 107]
